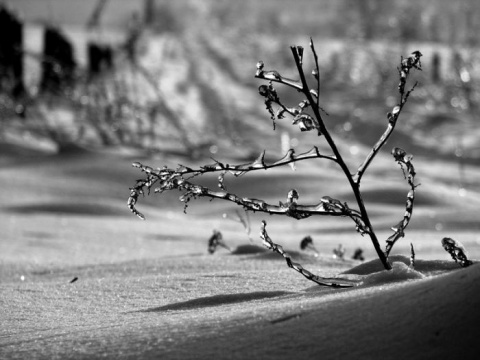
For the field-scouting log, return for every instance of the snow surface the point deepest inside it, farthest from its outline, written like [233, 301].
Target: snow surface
[81, 277]
[149, 289]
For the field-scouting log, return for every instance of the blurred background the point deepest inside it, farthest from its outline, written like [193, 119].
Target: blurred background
[158, 79]
[122, 72]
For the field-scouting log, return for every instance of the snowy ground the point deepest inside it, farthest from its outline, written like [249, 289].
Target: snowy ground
[149, 289]
[82, 277]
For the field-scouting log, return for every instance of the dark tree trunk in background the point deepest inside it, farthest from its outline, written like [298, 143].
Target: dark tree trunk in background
[100, 59]
[436, 65]
[149, 12]
[135, 28]
[58, 64]
[11, 59]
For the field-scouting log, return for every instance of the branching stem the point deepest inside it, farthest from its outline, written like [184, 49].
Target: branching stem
[354, 185]
[392, 121]
[182, 177]
[331, 282]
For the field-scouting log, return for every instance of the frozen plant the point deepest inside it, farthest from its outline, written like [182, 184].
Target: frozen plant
[307, 115]
[339, 252]
[412, 256]
[215, 241]
[457, 251]
[307, 244]
[358, 255]
[333, 282]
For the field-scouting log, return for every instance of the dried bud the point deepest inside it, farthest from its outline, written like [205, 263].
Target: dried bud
[358, 255]
[315, 73]
[263, 90]
[398, 153]
[305, 122]
[260, 65]
[299, 50]
[390, 117]
[303, 104]
[215, 241]
[306, 242]
[306, 125]
[457, 251]
[280, 113]
[292, 196]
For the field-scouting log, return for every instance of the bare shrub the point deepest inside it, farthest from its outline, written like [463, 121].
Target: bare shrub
[307, 115]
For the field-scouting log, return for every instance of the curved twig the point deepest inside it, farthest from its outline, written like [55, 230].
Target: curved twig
[170, 180]
[316, 72]
[272, 75]
[403, 159]
[412, 62]
[237, 170]
[181, 178]
[331, 282]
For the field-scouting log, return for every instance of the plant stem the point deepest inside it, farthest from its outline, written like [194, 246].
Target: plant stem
[339, 160]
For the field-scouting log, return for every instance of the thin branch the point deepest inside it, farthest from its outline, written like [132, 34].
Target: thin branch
[180, 178]
[331, 282]
[392, 119]
[316, 73]
[354, 186]
[412, 62]
[171, 179]
[237, 170]
[403, 159]
[412, 256]
[272, 75]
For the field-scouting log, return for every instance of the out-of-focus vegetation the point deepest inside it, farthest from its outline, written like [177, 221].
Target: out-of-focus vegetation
[178, 79]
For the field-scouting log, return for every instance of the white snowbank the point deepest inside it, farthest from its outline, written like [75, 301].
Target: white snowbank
[435, 317]
[400, 272]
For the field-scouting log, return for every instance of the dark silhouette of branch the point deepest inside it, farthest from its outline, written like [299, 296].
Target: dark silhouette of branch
[332, 282]
[307, 116]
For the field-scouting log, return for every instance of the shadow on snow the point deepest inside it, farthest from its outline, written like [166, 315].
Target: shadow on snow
[217, 300]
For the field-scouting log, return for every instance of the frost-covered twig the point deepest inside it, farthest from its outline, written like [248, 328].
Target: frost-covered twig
[237, 170]
[457, 251]
[308, 117]
[307, 122]
[405, 162]
[412, 256]
[333, 282]
[173, 179]
[412, 62]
